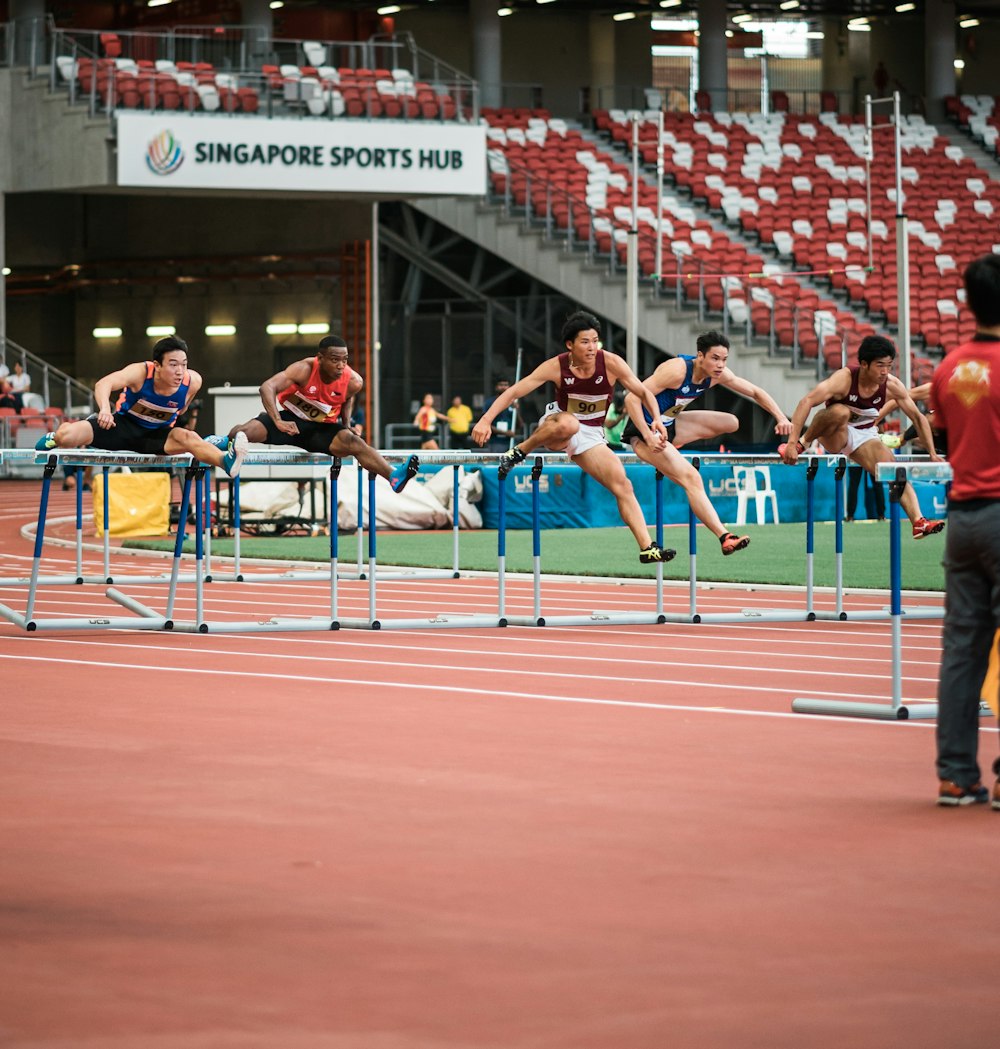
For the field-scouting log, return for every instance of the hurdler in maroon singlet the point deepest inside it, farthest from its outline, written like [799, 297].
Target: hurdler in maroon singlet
[586, 399]
[315, 400]
[864, 410]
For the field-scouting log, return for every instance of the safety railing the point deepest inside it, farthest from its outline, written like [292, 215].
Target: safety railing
[55, 387]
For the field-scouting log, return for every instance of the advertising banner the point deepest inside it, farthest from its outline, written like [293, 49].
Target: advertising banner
[170, 150]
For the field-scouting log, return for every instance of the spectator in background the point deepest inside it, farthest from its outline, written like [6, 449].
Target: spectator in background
[459, 423]
[965, 396]
[13, 386]
[503, 424]
[426, 421]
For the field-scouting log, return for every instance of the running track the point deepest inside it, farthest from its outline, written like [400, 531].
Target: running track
[581, 838]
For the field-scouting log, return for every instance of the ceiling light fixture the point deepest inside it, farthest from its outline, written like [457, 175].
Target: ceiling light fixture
[220, 329]
[282, 329]
[389, 9]
[503, 12]
[901, 9]
[671, 3]
[624, 16]
[107, 333]
[968, 23]
[789, 5]
[159, 331]
[322, 328]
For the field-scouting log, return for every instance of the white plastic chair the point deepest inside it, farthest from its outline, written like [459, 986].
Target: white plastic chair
[754, 482]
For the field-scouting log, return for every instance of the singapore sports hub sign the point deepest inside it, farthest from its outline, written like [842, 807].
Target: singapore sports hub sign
[183, 151]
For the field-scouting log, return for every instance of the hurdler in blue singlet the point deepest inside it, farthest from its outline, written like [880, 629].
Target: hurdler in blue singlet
[150, 409]
[672, 402]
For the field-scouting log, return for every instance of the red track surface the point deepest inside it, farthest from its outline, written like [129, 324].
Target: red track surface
[563, 837]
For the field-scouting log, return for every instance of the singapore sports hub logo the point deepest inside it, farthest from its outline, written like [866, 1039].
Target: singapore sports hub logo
[164, 154]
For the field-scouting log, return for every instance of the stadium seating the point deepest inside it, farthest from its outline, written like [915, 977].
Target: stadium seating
[583, 191]
[799, 185]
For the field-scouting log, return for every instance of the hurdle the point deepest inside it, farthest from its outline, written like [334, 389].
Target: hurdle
[77, 459]
[145, 618]
[374, 576]
[897, 474]
[201, 624]
[596, 617]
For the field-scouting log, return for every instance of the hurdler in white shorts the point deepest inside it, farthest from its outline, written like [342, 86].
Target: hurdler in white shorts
[856, 437]
[584, 439]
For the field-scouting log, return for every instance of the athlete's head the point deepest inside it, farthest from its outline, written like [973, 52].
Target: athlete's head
[712, 353]
[982, 290]
[332, 357]
[171, 344]
[170, 360]
[876, 348]
[578, 322]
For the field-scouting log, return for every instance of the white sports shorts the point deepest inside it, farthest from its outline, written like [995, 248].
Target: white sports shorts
[857, 437]
[584, 439]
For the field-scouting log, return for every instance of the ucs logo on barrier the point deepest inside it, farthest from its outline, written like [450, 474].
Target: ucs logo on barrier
[523, 484]
[164, 154]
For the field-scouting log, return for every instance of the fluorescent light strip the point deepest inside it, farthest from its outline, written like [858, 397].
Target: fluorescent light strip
[157, 331]
[901, 9]
[314, 329]
[107, 333]
[220, 329]
[968, 23]
[788, 5]
[282, 329]
[503, 12]
[624, 16]
[671, 3]
[390, 9]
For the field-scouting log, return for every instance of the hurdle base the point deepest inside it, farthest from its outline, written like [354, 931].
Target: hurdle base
[746, 615]
[258, 626]
[874, 711]
[598, 619]
[449, 619]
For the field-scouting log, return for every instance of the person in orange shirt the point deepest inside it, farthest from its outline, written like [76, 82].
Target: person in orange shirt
[426, 421]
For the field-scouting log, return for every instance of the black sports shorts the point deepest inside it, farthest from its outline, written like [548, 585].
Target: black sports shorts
[129, 436]
[312, 437]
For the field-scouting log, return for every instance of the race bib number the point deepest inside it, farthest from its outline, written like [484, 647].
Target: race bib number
[311, 411]
[587, 408]
[152, 414]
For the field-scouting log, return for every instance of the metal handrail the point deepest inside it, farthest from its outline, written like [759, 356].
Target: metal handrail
[74, 394]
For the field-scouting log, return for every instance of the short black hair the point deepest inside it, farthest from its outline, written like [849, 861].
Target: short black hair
[709, 339]
[168, 345]
[874, 348]
[982, 289]
[576, 323]
[332, 342]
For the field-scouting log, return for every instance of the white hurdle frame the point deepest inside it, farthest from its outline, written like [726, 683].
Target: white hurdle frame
[896, 474]
[145, 618]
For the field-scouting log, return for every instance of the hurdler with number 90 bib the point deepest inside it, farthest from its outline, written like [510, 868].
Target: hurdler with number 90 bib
[584, 378]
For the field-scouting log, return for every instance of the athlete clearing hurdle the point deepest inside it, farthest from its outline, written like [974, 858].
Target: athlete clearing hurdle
[153, 395]
[308, 405]
[584, 377]
[853, 398]
[675, 384]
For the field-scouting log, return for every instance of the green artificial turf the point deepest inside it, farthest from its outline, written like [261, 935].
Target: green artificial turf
[776, 553]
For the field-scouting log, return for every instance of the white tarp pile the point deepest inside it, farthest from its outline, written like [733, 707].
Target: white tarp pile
[421, 505]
